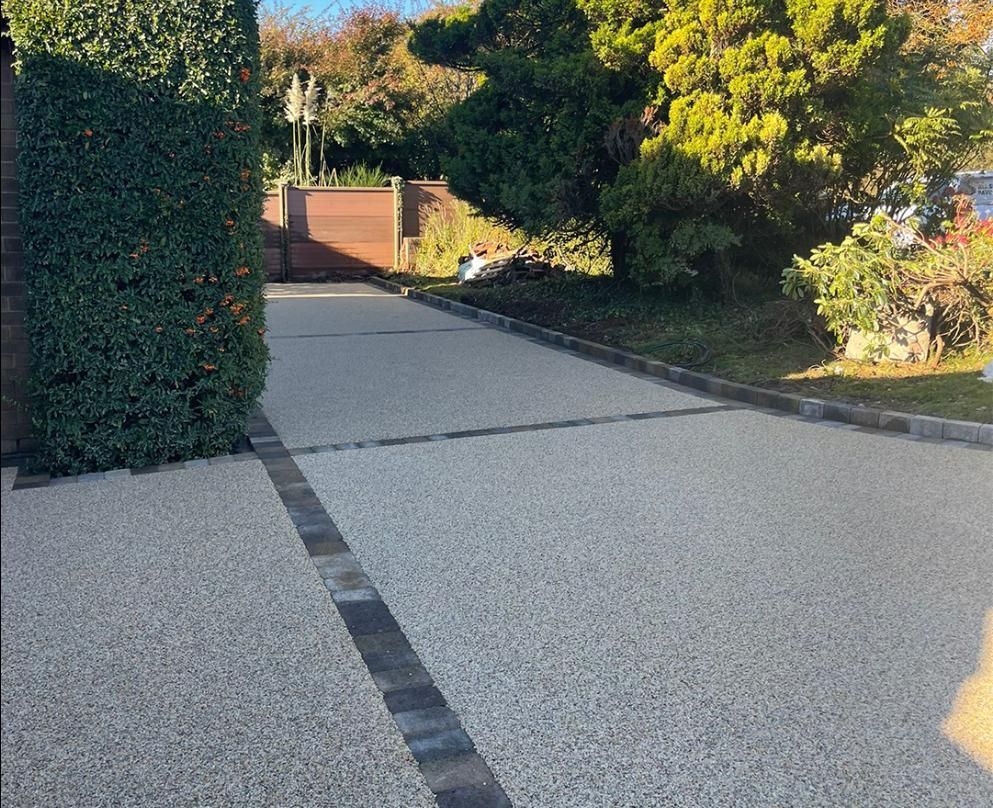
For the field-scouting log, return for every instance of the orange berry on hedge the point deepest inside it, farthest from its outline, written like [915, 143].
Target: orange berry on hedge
[88, 132]
[244, 74]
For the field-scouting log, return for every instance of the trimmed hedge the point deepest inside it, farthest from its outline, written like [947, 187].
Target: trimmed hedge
[141, 194]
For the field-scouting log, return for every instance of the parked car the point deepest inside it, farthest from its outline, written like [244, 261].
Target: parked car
[979, 186]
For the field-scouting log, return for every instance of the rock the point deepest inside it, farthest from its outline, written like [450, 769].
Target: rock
[907, 340]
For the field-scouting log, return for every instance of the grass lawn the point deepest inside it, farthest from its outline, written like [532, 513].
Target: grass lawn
[756, 343]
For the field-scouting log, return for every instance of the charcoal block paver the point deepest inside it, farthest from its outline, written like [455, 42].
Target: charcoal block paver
[367, 617]
[468, 770]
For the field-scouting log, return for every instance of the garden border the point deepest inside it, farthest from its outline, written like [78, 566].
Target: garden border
[814, 409]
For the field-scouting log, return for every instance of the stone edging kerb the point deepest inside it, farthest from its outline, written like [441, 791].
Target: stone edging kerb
[455, 772]
[924, 426]
[45, 480]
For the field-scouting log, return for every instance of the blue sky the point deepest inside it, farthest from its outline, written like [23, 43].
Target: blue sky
[336, 6]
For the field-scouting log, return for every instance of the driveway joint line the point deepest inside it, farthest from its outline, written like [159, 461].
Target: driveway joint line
[490, 431]
[480, 327]
[951, 433]
[453, 770]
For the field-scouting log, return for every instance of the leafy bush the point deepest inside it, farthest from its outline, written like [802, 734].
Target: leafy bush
[275, 172]
[141, 194]
[702, 137]
[528, 145]
[884, 271]
[381, 104]
[588, 253]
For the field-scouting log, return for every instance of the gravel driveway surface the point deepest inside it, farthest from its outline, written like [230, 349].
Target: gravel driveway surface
[721, 608]
[166, 641]
[700, 605]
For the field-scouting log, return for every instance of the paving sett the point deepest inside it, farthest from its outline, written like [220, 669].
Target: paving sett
[722, 609]
[167, 641]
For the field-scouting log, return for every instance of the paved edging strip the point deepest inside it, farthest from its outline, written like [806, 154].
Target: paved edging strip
[510, 430]
[452, 768]
[22, 480]
[923, 426]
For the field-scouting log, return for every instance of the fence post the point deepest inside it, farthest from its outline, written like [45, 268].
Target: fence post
[284, 234]
[397, 183]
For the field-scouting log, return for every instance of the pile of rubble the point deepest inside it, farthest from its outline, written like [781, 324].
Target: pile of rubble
[490, 262]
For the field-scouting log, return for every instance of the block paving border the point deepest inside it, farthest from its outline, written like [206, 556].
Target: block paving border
[452, 768]
[23, 480]
[869, 419]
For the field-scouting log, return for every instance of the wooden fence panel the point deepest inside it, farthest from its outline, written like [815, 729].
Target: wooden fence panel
[324, 233]
[339, 231]
[272, 237]
[420, 198]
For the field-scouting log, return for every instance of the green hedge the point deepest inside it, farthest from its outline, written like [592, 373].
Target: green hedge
[141, 193]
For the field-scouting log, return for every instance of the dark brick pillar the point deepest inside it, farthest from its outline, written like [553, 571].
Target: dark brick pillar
[16, 425]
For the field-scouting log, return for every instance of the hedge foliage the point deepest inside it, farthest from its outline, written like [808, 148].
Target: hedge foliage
[141, 195]
[706, 139]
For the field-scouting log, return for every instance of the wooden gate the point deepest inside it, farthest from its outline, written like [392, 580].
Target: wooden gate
[316, 234]
[335, 232]
[272, 236]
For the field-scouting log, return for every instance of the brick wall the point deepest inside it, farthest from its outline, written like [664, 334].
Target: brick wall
[15, 432]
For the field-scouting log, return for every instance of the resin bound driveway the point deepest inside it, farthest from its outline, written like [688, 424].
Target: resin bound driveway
[626, 593]
[709, 608]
